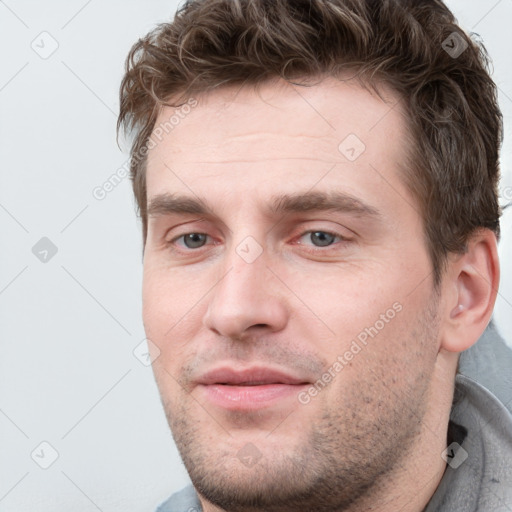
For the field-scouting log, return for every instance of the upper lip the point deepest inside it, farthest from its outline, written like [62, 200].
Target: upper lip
[249, 377]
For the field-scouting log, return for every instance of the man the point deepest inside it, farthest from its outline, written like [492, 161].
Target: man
[317, 182]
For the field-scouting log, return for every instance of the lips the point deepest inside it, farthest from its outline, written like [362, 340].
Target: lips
[249, 389]
[249, 377]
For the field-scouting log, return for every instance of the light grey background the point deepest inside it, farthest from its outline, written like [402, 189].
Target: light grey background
[69, 326]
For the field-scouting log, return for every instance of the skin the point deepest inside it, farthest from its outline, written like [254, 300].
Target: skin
[372, 439]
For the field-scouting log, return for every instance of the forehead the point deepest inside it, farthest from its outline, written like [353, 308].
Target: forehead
[277, 132]
[325, 108]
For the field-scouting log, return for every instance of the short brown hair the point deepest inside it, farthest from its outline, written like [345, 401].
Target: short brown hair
[415, 46]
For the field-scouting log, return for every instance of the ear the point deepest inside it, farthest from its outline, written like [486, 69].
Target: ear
[470, 286]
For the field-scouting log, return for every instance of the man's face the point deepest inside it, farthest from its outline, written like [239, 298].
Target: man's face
[290, 296]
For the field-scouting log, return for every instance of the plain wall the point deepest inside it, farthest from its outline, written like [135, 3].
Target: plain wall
[69, 326]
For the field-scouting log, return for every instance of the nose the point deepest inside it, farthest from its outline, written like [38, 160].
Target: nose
[246, 299]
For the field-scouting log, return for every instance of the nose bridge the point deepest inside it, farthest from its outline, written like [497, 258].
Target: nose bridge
[242, 297]
[244, 275]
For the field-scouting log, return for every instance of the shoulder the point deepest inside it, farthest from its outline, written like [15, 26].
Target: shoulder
[489, 362]
[185, 500]
[478, 475]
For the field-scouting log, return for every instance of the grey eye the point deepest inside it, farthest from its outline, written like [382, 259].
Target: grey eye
[194, 240]
[322, 238]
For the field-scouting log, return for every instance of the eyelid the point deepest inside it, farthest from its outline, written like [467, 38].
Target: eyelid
[325, 226]
[327, 231]
[185, 228]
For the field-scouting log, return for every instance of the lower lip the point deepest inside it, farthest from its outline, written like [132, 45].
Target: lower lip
[250, 397]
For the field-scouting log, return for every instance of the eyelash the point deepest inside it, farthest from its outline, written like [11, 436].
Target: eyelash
[341, 239]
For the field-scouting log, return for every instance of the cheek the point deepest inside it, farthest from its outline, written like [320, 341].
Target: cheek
[163, 294]
[155, 301]
[374, 320]
[388, 360]
[172, 308]
[346, 300]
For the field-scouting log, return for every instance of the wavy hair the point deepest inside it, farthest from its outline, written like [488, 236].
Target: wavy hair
[415, 46]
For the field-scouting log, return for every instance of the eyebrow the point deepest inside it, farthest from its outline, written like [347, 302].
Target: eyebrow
[321, 201]
[168, 204]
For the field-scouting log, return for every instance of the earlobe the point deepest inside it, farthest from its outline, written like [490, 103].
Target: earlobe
[474, 276]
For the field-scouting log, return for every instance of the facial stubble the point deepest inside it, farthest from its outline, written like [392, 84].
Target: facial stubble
[346, 454]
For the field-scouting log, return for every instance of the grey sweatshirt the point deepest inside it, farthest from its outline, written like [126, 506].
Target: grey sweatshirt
[478, 475]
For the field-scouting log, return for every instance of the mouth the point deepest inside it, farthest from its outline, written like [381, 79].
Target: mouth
[249, 389]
